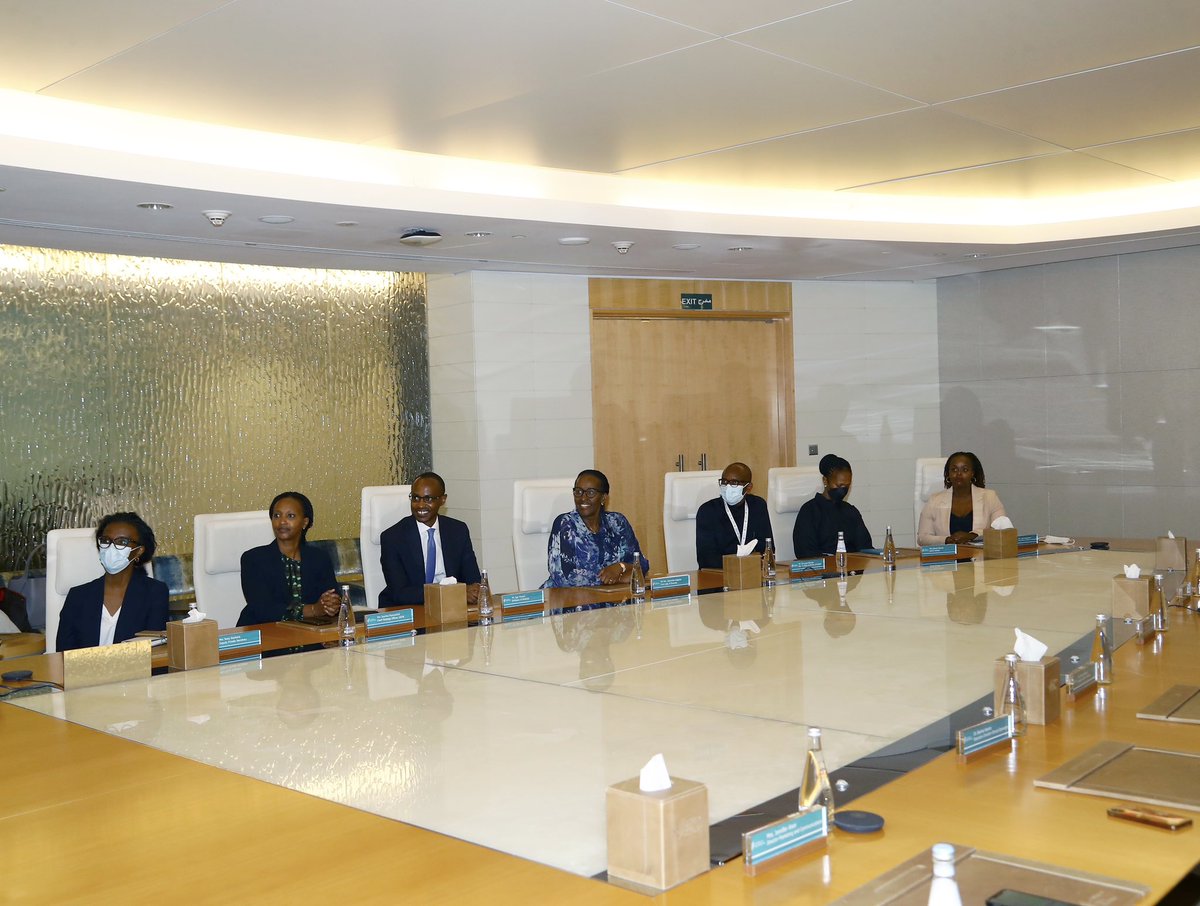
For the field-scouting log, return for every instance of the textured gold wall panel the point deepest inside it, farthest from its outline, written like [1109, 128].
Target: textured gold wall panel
[175, 388]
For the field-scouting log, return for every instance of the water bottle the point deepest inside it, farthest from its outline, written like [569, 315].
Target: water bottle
[1102, 650]
[346, 619]
[1159, 610]
[768, 563]
[889, 550]
[815, 788]
[944, 889]
[840, 554]
[637, 579]
[1012, 701]
[485, 598]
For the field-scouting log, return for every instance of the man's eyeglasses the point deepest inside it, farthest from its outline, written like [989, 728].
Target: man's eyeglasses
[731, 483]
[121, 544]
[424, 498]
[587, 493]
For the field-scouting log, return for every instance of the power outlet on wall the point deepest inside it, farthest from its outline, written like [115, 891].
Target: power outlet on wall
[812, 449]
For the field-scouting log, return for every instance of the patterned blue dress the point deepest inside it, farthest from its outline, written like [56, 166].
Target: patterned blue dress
[575, 556]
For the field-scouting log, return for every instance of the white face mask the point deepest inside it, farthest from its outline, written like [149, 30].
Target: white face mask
[114, 560]
[732, 493]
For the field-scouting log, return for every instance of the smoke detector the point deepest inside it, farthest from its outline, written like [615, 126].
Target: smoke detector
[420, 237]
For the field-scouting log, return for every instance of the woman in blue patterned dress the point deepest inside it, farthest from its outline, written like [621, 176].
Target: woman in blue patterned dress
[591, 546]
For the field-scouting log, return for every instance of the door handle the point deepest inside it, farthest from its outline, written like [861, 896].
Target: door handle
[703, 463]
[679, 464]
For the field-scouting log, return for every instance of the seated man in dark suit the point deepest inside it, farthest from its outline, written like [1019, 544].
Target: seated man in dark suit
[734, 518]
[424, 548]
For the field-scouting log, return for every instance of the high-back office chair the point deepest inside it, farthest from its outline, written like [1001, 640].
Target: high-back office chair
[382, 507]
[931, 478]
[788, 489]
[221, 539]
[71, 560]
[536, 501]
[683, 492]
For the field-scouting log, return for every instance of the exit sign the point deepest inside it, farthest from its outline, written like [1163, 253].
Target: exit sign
[695, 301]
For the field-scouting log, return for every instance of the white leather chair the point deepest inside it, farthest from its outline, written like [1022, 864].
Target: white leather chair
[536, 501]
[71, 560]
[382, 507]
[788, 489]
[931, 478]
[683, 492]
[220, 541]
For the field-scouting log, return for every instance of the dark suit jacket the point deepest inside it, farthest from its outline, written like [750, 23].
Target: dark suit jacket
[404, 563]
[265, 588]
[715, 536]
[144, 607]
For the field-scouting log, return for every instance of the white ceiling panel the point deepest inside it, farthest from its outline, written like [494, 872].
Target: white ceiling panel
[1069, 173]
[935, 50]
[917, 142]
[722, 17]
[710, 96]
[1121, 102]
[1175, 156]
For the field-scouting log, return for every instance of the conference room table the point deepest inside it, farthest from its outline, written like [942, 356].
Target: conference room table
[470, 763]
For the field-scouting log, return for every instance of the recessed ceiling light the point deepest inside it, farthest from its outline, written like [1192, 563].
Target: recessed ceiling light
[276, 218]
[419, 236]
[1057, 328]
[477, 234]
[574, 240]
[346, 223]
[150, 205]
[518, 236]
[686, 246]
[741, 248]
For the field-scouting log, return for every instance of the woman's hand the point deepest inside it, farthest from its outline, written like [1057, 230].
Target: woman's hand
[614, 573]
[961, 538]
[328, 604]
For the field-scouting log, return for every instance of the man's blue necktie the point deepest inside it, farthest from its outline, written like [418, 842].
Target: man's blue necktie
[430, 559]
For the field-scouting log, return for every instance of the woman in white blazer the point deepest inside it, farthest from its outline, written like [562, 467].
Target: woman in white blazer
[959, 514]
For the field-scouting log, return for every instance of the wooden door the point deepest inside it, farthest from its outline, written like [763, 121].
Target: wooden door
[665, 385]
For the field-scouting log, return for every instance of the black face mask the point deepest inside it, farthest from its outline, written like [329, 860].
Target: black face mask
[837, 495]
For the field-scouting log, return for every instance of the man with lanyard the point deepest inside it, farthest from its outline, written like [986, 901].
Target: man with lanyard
[735, 518]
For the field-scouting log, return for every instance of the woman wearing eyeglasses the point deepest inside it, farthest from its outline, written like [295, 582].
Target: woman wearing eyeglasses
[820, 519]
[591, 546]
[122, 602]
[959, 514]
[288, 579]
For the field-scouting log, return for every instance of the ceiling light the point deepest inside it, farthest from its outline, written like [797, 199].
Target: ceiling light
[477, 234]
[741, 248]
[574, 240]
[276, 219]
[420, 237]
[518, 236]
[150, 205]
[685, 246]
[346, 223]
[1057, 328]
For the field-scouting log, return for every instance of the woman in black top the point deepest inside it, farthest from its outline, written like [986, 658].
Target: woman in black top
[820, 520]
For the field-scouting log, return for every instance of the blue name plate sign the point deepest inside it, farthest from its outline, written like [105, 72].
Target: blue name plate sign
[816, 564]
[939, 550]
[1027, 540]
[784, 837]
[236, 641]
[985, 735]
[672, 585]
[388, 619]
[523, 598]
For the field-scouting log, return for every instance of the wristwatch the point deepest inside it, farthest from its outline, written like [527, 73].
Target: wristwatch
[624, 566]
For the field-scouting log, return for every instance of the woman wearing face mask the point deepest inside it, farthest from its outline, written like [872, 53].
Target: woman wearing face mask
[736, 517]
[820, 520]
[122, 602]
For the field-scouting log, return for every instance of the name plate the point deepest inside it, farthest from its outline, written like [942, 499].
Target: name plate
[1027, 540]
[387, 619]
[236, 641]
[985, 735]
[1081, 679]
[524, 599]
[939, 550]
[670, 586]
[814, 565]
[784, 837]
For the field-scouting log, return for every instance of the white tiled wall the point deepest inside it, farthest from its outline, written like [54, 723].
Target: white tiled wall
[510, 383]
[866, 361]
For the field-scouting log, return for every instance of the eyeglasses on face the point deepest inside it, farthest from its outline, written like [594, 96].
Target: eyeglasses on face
[121, 544]
[424, 498]
[731, 483]
[587, 493]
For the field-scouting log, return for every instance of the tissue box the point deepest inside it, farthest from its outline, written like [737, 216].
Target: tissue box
[1039, 687]
[1170, 553]
[83, 667]
[742, 572]
[657, 840]
[445, 604]
[999, 544]
[192, 645]
[1132, 596]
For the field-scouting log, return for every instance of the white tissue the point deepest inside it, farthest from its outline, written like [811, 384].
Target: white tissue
[1132, 571]
[1058, 539]
[654, 777]
[1002, 522]
[749, 626]
[194, 616]
[736, 638]
[1028, 648]
[449, 580]
[1170, 534]
[745, 550]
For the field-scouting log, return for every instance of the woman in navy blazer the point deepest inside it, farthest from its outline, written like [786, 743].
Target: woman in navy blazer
[288, 579]
[122, 602]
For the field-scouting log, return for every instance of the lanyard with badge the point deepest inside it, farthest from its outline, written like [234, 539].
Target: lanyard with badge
[741, 536]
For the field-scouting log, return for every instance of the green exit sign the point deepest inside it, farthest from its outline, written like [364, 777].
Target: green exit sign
[695, 301]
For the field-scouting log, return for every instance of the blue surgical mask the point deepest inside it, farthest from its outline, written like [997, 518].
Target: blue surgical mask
[113, 559]
[732, 494]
